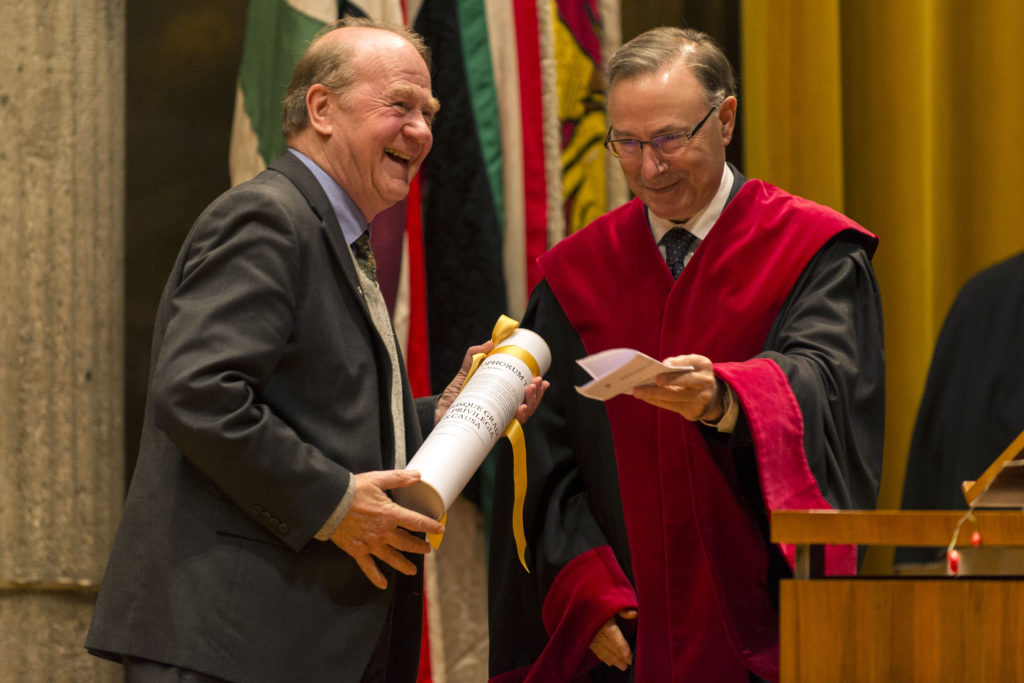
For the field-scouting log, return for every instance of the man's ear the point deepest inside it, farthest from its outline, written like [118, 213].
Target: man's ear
[727, 115]
[318, 108]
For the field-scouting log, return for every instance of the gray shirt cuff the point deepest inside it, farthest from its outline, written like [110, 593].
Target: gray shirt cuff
[334, 521]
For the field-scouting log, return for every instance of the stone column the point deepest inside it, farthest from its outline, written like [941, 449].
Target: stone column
[61, 327]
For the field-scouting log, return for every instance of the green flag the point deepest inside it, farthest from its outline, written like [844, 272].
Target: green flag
[276, 33]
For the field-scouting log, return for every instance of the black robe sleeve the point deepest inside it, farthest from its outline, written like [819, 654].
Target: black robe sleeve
[569, 508]
[828, 340]
[973, 402]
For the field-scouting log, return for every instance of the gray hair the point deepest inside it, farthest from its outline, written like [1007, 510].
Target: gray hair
[661, 46]
[330, 63]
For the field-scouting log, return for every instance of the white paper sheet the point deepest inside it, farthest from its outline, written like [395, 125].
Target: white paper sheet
[618, 371]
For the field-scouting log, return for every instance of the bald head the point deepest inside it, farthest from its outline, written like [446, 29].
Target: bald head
[333, 59]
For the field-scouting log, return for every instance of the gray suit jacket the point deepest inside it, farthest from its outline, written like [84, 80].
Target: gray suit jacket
[268, 390]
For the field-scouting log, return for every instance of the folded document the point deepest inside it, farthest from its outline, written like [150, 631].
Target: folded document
[619, 371]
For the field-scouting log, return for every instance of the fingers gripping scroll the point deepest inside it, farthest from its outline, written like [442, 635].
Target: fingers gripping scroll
[376, 528]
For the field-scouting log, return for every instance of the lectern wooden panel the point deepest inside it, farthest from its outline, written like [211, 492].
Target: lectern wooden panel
[892, 629]
[885, 631]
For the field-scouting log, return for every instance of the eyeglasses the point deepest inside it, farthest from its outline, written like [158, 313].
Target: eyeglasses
[667, 143]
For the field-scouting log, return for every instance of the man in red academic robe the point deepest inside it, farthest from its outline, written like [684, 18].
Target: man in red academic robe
[647, 516]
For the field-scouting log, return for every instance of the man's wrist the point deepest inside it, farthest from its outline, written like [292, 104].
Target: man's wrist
[716, 407]
[726, 421]
[334, 521]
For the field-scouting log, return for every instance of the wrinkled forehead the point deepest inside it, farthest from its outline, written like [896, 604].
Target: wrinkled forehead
[675, 77]
[669, 94]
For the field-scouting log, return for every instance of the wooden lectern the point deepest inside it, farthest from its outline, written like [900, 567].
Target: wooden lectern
[898, 628]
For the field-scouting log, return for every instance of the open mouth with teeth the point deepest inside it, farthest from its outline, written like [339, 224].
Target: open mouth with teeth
[398, 156]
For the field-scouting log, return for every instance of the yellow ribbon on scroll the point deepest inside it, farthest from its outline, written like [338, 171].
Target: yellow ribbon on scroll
[513, 432]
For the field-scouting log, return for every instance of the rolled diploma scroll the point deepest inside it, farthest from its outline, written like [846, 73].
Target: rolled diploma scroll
[475, 421]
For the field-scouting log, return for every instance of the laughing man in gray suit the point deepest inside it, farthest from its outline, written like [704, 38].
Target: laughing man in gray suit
[258, 542]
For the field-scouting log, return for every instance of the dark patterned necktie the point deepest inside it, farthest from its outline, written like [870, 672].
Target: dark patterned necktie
[677, 243]
[364, 255]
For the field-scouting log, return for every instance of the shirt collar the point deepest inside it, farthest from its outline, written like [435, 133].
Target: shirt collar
[701, 223]
[350, 218]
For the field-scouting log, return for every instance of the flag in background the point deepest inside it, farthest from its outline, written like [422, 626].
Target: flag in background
[581, 112]
[462, 229]
[522, 93]
[276, 33]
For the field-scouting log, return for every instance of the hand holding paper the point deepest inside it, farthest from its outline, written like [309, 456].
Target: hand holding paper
[696, 395]
[619, 371]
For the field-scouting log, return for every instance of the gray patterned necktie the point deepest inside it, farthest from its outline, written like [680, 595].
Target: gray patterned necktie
[677, 243]
[364, 255]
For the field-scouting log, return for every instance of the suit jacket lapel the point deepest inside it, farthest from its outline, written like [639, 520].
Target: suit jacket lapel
[292, 168]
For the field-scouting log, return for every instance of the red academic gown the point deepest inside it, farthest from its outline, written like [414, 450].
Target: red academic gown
[632, 506]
